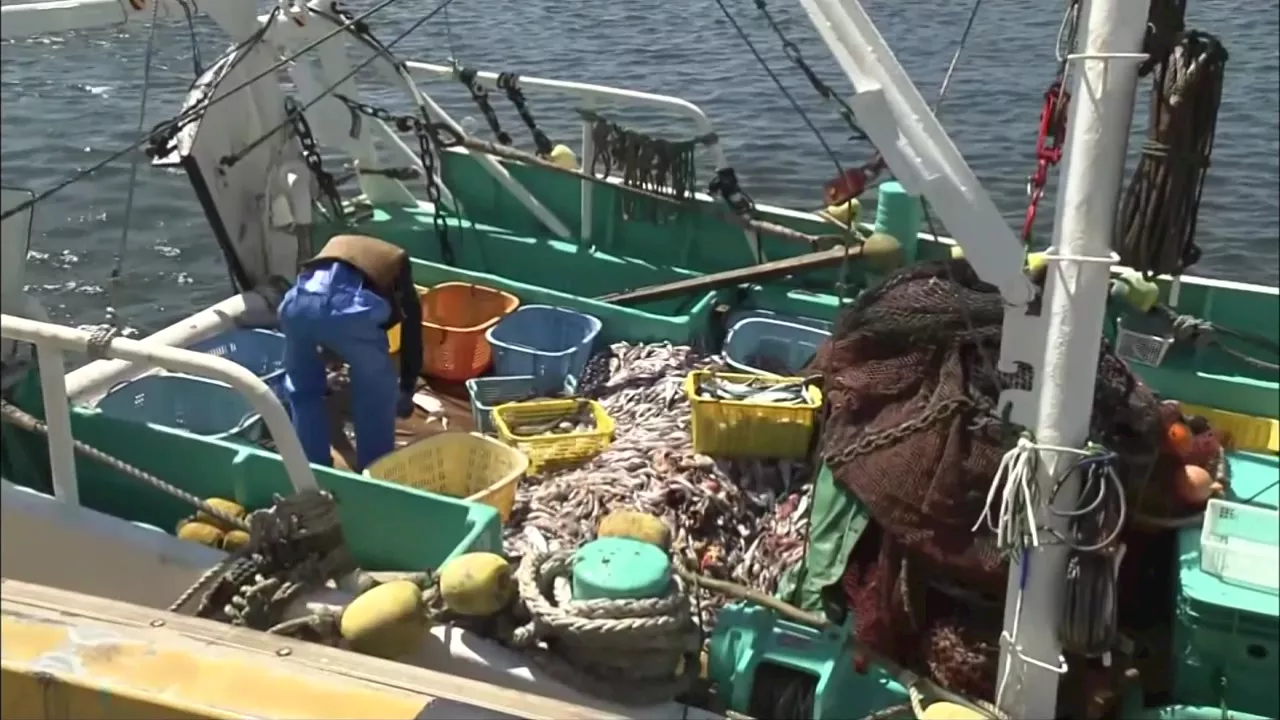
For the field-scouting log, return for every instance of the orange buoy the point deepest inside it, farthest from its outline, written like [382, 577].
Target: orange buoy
[1194, 485]
[1178, 440]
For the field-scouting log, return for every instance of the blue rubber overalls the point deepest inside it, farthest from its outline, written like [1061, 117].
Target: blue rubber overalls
[331, 306]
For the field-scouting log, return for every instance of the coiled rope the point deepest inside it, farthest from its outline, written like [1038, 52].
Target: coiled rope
[1158, 214]
[633, 651]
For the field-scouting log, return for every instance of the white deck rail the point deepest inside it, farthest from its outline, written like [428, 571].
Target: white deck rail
[51, 341]
[591, 94]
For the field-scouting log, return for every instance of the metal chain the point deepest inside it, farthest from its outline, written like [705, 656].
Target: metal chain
[874, 441]
[311, 156]
[510, 83]
[480, 96]
[429, 145]
[850, 183]
[1053, 119]
[792, 51]
[361, 29]
[985, 416]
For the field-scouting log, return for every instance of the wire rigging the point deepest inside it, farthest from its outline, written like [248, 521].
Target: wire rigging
[988, 363]
[301, 108]
[167, 128]
[189, 10]
[118, 263]
[777, 81]
[955, 58]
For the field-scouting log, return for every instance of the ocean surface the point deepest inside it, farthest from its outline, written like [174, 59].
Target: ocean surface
[70, 100]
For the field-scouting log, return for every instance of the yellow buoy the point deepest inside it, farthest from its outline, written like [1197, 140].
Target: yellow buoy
[635, 525]
[201, 532]
[882, 251]
[476, 584]
[235, 540]
[845, 213]
[1035, 261]
[563, 156]
[388, 621]
[950, 711]
[230, 507]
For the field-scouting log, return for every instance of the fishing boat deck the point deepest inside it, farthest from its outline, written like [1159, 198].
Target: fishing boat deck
[456, 417]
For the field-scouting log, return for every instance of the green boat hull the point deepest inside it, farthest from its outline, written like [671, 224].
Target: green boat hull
[501, 245]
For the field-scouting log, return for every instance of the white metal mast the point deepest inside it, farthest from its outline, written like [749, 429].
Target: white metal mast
[1063, 343]
[1074, 304]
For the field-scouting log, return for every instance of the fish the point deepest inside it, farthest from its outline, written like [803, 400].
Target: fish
[580, 419]
[739, 520]
[763, 390]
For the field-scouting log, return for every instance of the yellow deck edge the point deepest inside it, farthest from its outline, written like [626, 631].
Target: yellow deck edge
[66, 655]
[1241, 432]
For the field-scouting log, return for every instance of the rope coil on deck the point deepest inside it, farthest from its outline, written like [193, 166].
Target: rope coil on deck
[634, 651]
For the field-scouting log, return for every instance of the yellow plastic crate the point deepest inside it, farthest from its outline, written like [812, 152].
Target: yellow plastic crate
[1241, 432]
[550, 448]
[463, 465]
[393, 339]
[734, 428]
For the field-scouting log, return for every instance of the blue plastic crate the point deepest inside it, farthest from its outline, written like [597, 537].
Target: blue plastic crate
[551, 344]
[259, 351]
[199, 406]
[489, 392]
[771, 347]
[738, 316]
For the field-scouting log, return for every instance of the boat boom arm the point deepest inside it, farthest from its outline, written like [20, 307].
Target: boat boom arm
[890, 110]
[56, 16]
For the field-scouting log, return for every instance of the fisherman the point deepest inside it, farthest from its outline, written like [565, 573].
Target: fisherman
[345, 300]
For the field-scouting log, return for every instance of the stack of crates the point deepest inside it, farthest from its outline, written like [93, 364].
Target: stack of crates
[1226, 634]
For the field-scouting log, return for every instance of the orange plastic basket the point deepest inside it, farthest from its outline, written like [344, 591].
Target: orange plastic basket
[455, 317]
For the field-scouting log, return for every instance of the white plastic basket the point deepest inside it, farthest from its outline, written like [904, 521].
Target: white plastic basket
[1140, 347]
[1241, 544]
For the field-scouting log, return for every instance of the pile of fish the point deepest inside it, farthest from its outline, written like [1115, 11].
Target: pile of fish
[739, 520]
[760, 390]
[576, 419]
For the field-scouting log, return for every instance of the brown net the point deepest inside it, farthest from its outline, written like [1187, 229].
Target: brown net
[912, 387]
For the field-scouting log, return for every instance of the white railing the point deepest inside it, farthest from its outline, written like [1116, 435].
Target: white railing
[51, 341]
[590, 95]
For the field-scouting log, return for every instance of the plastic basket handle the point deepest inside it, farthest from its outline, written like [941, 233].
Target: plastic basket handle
[122, 383]
[248, 419]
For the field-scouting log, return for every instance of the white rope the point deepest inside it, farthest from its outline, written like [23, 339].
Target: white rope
[1015, 527]
[1014, 484]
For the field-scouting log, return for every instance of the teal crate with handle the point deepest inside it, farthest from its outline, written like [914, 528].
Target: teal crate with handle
[1226, 633]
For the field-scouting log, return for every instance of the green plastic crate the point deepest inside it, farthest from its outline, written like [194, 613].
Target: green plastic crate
[387, 527]
[1226, 637]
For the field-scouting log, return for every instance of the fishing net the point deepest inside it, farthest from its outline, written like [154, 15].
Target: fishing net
[912, 389]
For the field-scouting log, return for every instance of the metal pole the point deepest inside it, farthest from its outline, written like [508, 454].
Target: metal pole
[1075, 305]
[57, 416]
